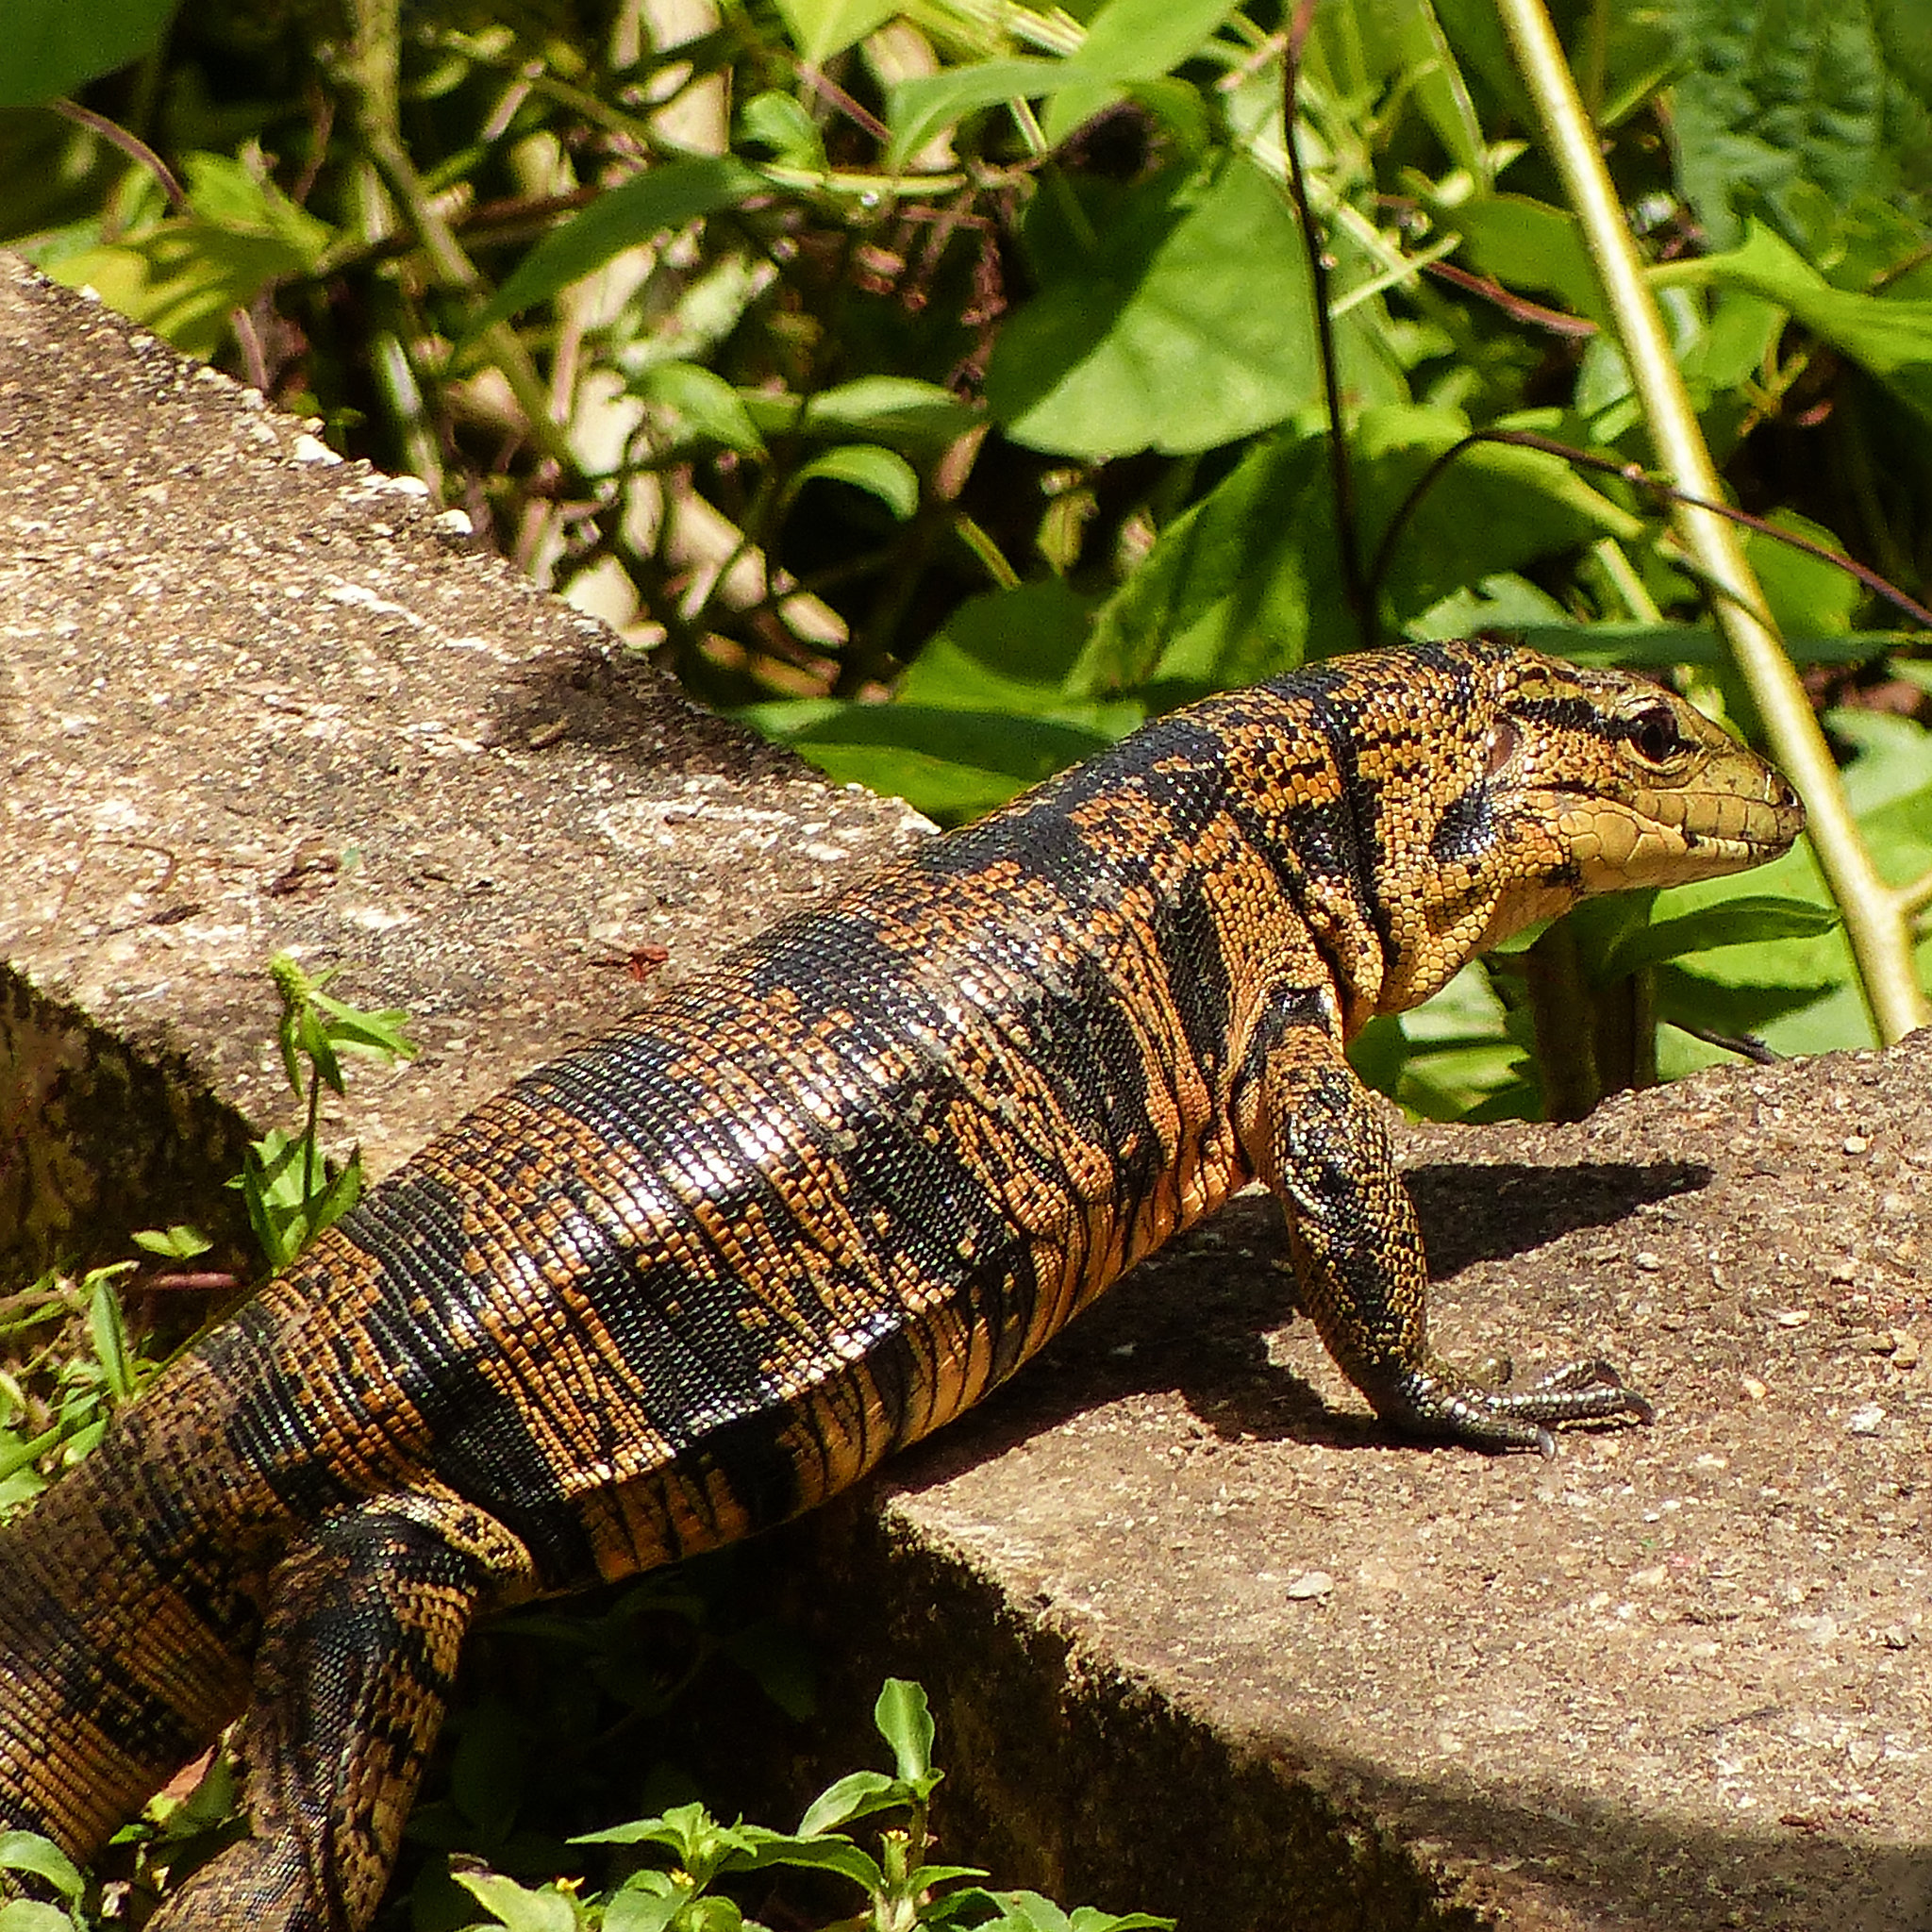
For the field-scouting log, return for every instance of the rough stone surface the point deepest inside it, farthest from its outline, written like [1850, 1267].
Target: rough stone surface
[1200, 1637]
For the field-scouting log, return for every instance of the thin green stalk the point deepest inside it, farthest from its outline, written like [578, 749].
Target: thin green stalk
[1875, 919]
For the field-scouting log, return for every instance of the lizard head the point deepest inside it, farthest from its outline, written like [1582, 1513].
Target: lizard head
[1560, 782]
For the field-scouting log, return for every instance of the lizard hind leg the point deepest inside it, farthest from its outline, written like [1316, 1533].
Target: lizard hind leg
[364, 1623]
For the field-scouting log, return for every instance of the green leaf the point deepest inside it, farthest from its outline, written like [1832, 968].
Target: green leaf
[896, 410]
[905, 1722]
[781, 124]
[1528, 244]
[637, 1911]
[1888, 335]
[918, 109]
[1128, 43]
[806, 1851]
[182, 276]
[950, 764]
[30, 1915]
[670, 196]
[521, 1910]
[1247, 582]
[1742, 921]
[1780, 106]
[1188, 325]
[1805, 593]
[53, 47]
[855, 1795]
[1229, 594]
[1139, 39]
[820, 29]
[27, 1850]
[881, 473]
[107, 1333]
[1013, 651]
[1027, 1911]
[363, 1031]
[179, 1243]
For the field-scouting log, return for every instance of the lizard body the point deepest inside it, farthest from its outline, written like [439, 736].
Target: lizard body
[685, 1282]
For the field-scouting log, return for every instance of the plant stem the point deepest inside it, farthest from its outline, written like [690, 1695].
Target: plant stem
[1875, 917]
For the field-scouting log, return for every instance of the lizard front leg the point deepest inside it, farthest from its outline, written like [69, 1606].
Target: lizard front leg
[1317, 1138]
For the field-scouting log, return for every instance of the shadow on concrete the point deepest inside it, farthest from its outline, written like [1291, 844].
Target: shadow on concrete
[1195, 1318]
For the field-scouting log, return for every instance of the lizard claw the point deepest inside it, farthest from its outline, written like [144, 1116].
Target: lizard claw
[1439, 1401]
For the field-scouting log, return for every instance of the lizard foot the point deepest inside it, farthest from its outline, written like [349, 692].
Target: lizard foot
[1440, 1402]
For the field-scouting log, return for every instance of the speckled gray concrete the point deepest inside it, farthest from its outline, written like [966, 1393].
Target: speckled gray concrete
[1200, 1638]
[251, 699]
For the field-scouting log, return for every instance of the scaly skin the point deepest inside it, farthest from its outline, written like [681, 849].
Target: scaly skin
[684, 1283]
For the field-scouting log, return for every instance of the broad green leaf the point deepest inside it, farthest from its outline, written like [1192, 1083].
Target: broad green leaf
[1805, 593]
[670, 196]
[31, 1915]
[880, 473]
[635, 1911]
[1233, 587]
[1800, 995]
[820, 29]
[1892, 759]
[1012, 651]
[1779, 102]
[1188, 326]
[905, 1722]
[1138, 39]
[517, 1907]
[1890, 336]
[27, 1850]
[1247, 583]
[855, 1795]
[185, 274]
[712, 1915]
[1528, 244]
[710, 407]
[53, 47]
[808, 1850]
[895, 409]
[1503, 601]
[781, 124]
[1755, 920]
[918, 109]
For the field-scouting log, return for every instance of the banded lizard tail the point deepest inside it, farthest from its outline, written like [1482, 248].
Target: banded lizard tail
[685, 1282]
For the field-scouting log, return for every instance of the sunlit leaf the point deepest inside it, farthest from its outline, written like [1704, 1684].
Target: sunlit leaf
[880, 473]
[1188, 325]
[668, 196]
[53, 47]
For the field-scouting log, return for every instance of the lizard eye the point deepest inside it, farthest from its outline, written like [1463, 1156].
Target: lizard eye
[1654, 735]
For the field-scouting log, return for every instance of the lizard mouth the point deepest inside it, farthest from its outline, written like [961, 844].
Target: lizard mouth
[1673, 834]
